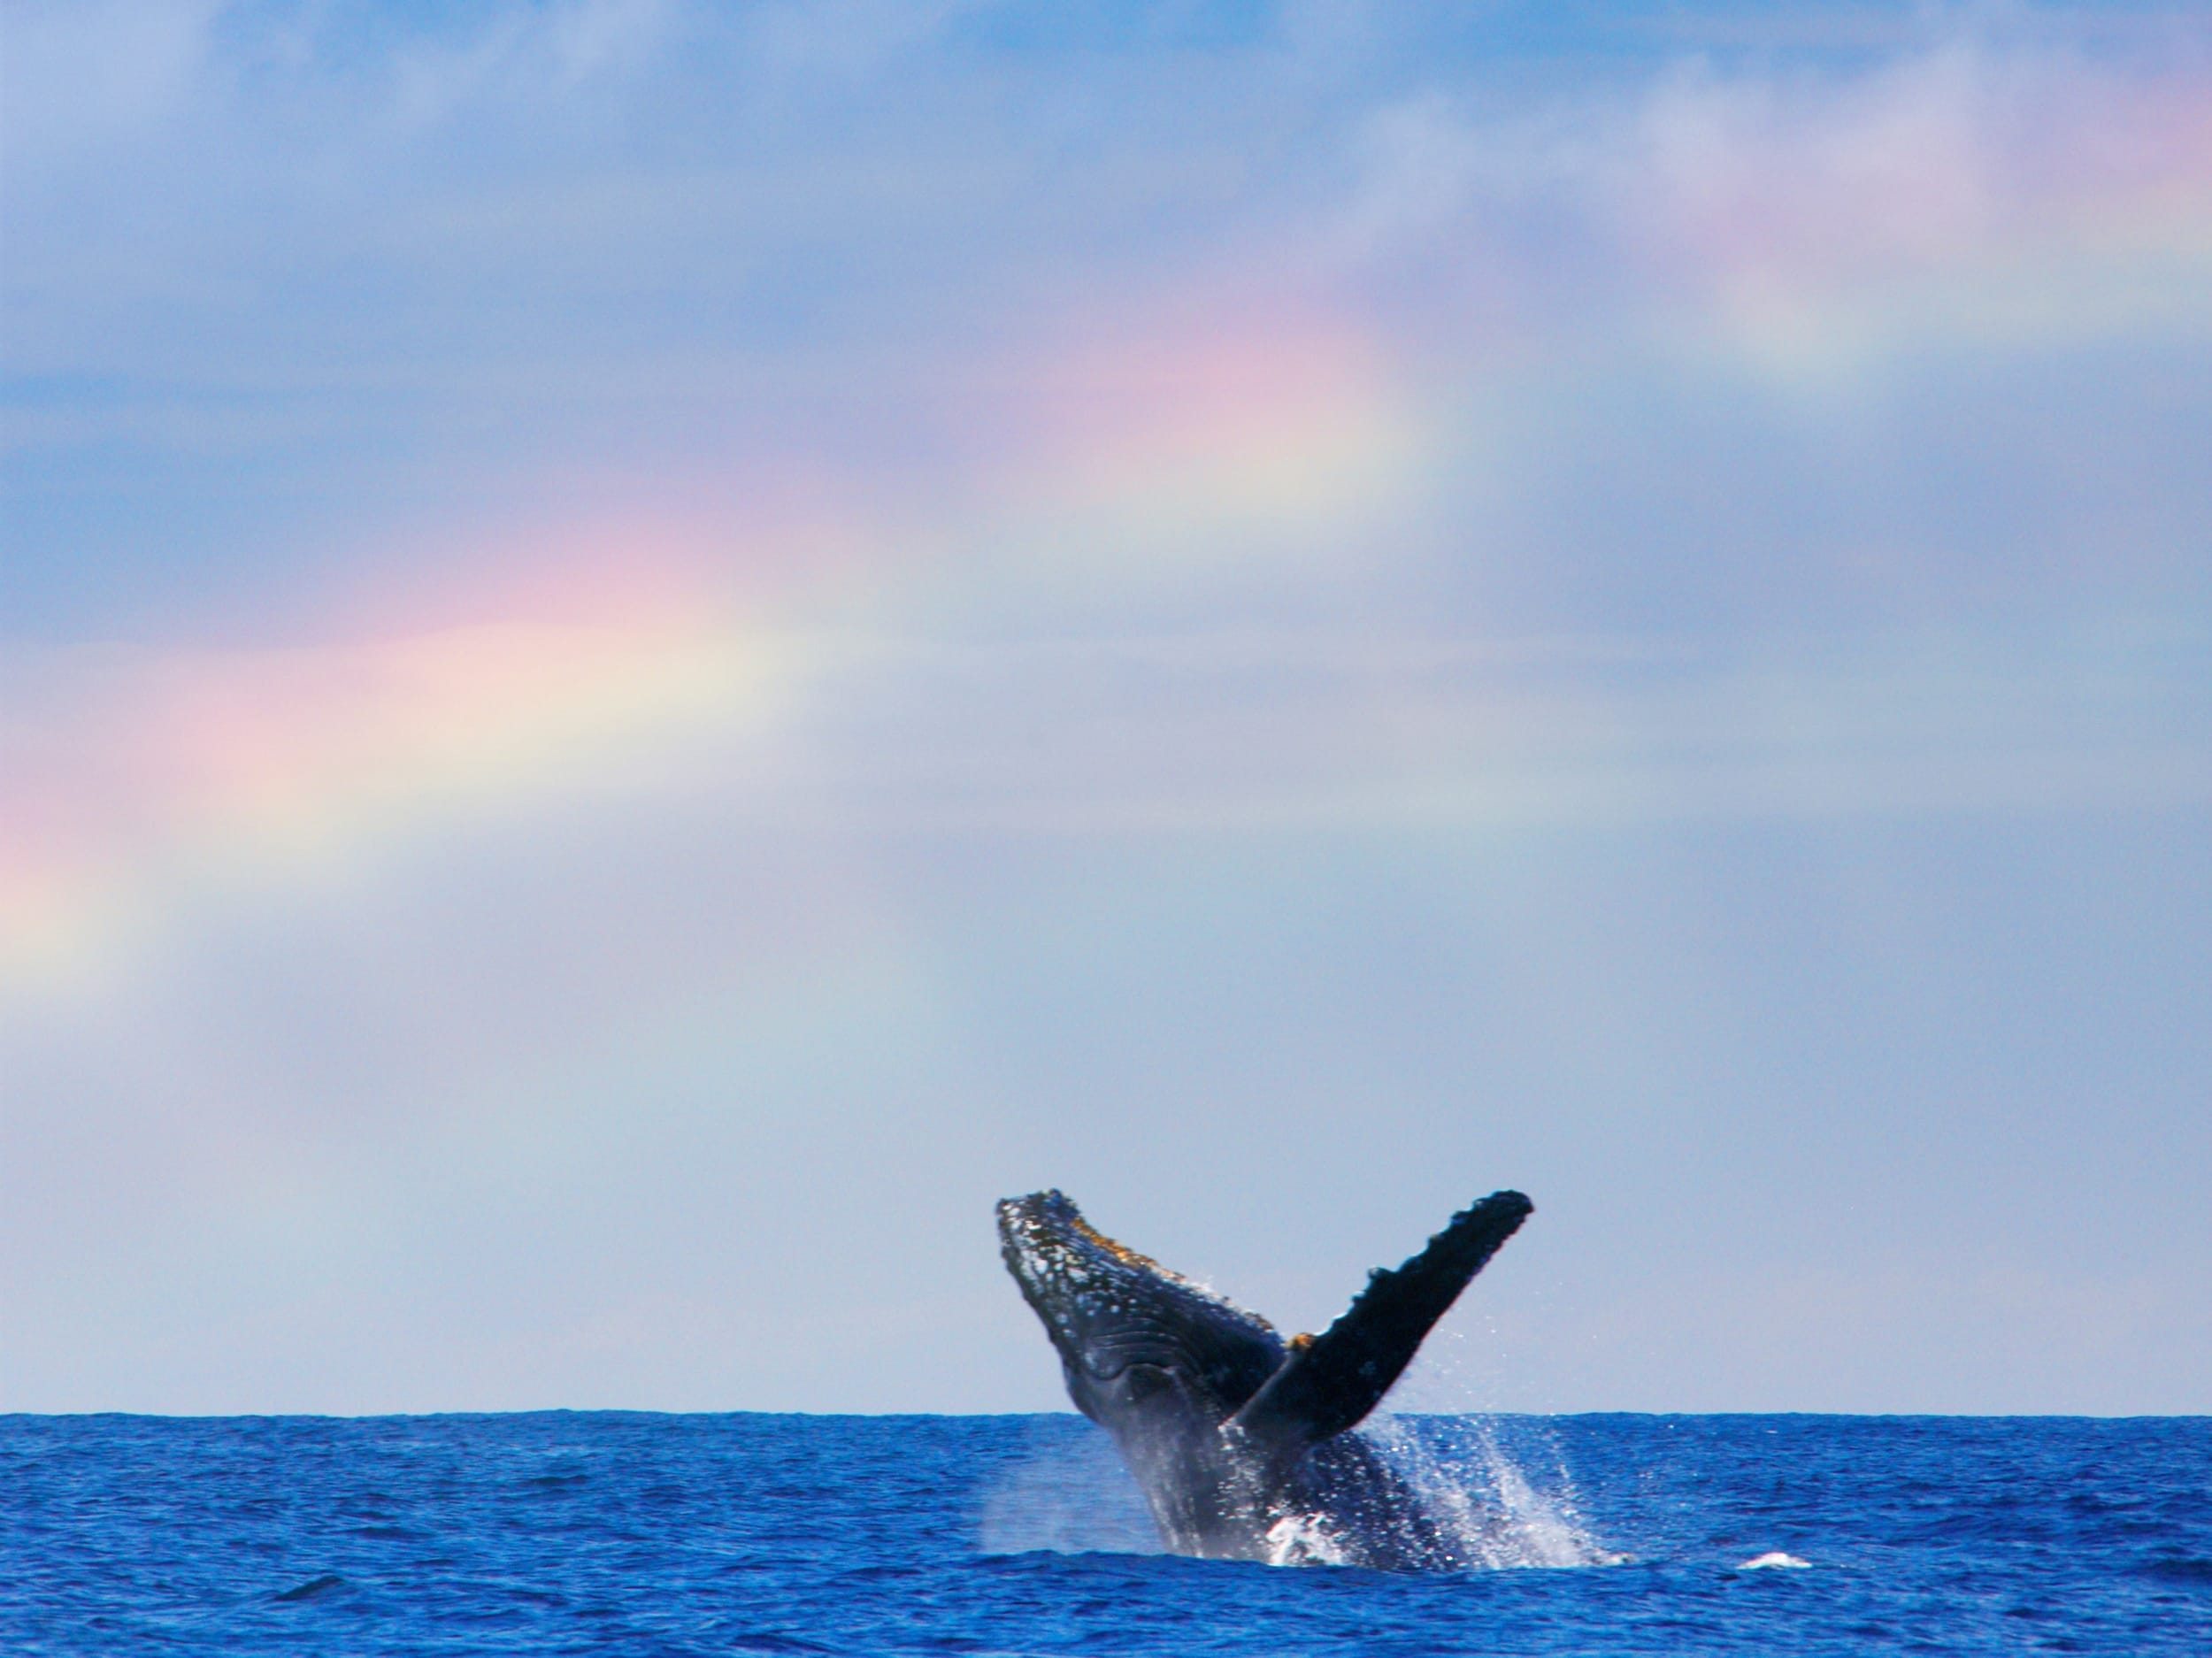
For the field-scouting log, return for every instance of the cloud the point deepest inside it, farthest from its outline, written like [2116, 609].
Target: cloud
[645, 636]
[1983, 187]
[587, 193]
[158, 785]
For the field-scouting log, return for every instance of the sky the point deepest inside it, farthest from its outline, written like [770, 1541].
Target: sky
[650, 650]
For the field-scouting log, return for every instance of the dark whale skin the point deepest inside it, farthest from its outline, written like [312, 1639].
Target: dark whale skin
[1245, 1445]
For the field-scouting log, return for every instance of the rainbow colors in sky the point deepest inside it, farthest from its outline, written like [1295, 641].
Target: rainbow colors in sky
[1233, 438]
[649, 649]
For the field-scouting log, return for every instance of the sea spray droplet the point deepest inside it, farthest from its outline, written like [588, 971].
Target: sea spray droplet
[1472, 1490]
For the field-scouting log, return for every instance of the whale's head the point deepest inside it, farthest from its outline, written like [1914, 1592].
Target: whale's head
[1145, 1350]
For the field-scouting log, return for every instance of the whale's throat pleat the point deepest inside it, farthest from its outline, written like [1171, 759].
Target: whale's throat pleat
[1114, 1313]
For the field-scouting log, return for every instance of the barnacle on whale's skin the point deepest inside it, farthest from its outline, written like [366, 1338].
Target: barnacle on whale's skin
[1044, 1237]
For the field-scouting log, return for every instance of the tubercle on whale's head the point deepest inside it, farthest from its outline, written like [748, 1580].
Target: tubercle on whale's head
[1050, 1219]
[1065, 1266]
[1054, 1253]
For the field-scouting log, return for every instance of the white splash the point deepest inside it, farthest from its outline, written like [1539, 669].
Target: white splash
[1778, 1558]
[1302, 1540]
[1471, 1489]
[1070, 1493]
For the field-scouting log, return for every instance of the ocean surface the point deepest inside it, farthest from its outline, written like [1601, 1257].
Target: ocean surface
[621, 1532]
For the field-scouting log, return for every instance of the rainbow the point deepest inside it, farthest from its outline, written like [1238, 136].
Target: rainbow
[145, 782]
[170, 776]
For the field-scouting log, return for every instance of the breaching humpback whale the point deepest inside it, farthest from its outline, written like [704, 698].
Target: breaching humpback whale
[1241, 1442]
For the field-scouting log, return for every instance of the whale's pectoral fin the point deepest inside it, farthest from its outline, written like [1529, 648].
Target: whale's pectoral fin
[1328, 1383]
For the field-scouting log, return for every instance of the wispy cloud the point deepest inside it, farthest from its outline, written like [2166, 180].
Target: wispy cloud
[740, 620]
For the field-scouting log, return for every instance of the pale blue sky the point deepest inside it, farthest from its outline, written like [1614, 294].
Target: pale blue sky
[649, 650]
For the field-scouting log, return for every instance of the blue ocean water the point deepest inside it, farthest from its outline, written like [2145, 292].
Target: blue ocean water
[621, 1532]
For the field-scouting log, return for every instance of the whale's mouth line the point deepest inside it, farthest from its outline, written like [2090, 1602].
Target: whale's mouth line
[1121, 1320]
